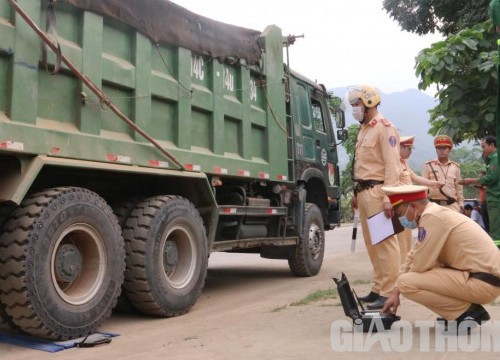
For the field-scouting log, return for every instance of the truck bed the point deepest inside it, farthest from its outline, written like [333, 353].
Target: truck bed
[221, 117]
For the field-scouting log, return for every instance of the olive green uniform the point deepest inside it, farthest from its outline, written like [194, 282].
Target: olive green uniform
[492, 182]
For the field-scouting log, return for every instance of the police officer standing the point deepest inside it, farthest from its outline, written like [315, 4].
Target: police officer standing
[408, 177]
[446, 171]
[454, 266]
[376, 163]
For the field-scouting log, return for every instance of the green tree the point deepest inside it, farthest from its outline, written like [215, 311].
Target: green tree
[444, 16]
[346, 181]
[462, 67]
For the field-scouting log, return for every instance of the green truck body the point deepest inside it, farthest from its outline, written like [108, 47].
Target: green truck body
[189, 145]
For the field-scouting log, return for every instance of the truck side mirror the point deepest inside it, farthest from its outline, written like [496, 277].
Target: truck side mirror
[339, 119]
[337, 112]
[342, 134]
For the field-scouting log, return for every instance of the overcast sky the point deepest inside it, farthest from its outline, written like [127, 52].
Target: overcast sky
[346, 42]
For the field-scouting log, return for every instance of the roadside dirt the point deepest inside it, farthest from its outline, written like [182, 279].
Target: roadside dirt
[245, 312]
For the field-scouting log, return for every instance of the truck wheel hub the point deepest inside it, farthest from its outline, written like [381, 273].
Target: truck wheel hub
[170, 256]
[314, 241]
[68, 263]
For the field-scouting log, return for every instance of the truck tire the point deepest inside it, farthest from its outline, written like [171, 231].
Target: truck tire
[6, 323]
[166, 246]
[122, 210]
[61, 263]
[307, 258]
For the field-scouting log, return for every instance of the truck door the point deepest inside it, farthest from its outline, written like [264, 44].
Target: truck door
[323, 139]
[315, 141]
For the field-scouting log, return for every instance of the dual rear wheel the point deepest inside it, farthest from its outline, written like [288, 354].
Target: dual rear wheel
[63, 256]
[62, 261]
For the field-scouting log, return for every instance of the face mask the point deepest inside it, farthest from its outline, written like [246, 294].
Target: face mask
[407, 223]
[358, 112]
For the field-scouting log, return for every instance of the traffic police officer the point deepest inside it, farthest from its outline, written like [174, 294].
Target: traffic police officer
[376, 163]
[408, 177]
[446, 171]
[454, 266]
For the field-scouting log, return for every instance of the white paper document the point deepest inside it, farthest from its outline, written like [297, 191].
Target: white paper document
[380, 227]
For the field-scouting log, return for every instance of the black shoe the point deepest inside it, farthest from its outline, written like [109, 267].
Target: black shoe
[474, 316]
[370, 297]
[377, 304]
[475, 313]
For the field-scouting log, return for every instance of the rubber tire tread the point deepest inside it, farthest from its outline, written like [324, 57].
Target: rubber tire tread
[300, 262]
[122, 210]
[142, 282]
[19, 248]
[6, 323]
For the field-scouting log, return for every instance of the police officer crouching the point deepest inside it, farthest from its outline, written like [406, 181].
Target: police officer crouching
[453, 268]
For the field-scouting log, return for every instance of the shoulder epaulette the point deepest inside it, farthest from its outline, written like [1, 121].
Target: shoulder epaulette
[373, 122]
[453, 162]
[385, 122]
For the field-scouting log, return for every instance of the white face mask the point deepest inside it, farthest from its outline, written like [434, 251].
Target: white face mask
[358, 112]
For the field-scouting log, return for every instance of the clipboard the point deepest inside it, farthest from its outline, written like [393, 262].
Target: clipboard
[381, 227]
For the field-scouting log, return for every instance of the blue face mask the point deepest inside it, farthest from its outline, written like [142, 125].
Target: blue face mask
[407, 223]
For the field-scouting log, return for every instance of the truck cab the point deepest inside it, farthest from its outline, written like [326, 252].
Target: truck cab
[313, 151]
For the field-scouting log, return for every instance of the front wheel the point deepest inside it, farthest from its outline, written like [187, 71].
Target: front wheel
[307, 258]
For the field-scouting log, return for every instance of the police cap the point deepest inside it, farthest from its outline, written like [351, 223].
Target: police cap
[405, 193]
[443, 140]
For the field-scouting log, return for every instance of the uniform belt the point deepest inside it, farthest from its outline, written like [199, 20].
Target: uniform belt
[362, 185]
[487, 278]
[444, 202]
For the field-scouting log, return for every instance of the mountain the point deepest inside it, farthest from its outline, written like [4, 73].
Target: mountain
[408, 111]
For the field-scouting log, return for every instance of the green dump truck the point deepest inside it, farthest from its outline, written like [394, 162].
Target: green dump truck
[136, 138]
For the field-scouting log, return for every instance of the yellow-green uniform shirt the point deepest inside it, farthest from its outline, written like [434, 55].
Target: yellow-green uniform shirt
[377, 152]
[449, 174]
[449, 239]
[406, 173]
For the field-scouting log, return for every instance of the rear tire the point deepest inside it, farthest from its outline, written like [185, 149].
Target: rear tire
[166, 247]
[6, 323]
[61, 263]
[122, 210]
[307, 258]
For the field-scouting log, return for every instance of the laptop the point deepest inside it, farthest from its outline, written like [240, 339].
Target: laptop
[364, 320]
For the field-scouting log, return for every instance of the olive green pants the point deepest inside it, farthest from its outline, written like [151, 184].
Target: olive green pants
[494, 218]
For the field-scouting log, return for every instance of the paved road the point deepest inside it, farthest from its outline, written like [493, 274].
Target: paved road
[244, 312]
